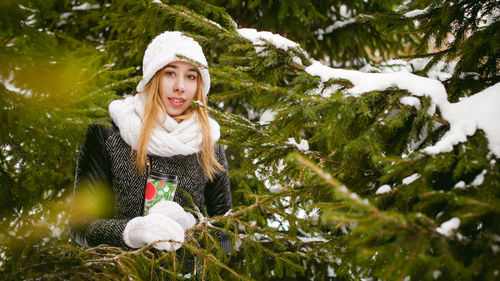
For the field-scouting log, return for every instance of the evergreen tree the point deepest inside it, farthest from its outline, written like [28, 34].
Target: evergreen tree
[336, 174]
[337, 32]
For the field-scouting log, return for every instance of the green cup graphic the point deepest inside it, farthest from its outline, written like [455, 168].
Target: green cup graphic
[159, 186]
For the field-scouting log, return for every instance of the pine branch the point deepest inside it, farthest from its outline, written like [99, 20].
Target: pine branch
[353, 198]
[232, 119]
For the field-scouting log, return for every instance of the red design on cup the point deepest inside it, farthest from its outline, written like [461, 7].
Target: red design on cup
[150, 191]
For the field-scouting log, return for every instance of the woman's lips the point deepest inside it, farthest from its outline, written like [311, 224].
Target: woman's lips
[176, 101]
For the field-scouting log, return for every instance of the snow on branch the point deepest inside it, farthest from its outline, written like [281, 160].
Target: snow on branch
[302, 146]
[344, 17]
[416, 13]
[449, 227]
[263, 37]
[86, 6]
[367, 82]
[479, 111]
[383, 189]
[260, 38]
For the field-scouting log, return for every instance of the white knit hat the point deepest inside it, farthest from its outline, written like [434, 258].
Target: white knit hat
[166, 48]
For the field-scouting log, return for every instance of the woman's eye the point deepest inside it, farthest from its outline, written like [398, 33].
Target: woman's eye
[191, 77]
[169, 73]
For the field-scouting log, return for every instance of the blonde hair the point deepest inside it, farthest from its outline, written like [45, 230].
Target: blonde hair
[206, 156]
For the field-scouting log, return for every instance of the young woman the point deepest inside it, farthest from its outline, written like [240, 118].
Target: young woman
[155, 130]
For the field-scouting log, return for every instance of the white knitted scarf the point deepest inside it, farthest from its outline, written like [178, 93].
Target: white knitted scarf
[168, 139]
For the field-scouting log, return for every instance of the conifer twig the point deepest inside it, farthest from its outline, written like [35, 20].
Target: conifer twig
[342, 189]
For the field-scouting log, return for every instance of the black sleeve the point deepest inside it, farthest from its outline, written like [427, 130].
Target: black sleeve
[91, 221]
[218, 197]
[218, 193]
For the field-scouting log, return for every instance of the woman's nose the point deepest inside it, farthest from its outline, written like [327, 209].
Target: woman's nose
[179, 85]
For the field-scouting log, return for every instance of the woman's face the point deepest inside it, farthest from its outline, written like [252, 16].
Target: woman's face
[178, 87]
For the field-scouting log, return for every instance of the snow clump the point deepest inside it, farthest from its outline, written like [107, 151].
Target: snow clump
[479, 179]
[448, 227]
[411, 179]
[263, 37]
[302, 146]
[383, 189]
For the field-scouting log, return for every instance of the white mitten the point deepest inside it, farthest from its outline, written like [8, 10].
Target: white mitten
[141, 231]
[174, 211]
